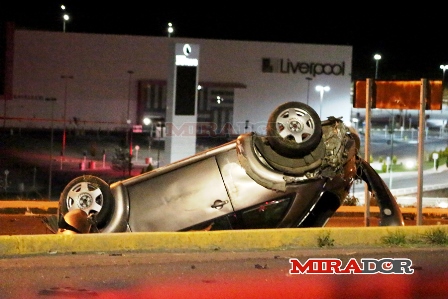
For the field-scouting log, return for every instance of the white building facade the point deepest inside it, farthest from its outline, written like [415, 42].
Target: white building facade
[109, 82]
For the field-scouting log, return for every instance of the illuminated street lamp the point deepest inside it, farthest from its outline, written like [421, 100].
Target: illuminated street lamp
[321, 89]
[65, 17]
[147, 122]
[443, 68]
[377, 58]
[170, 29]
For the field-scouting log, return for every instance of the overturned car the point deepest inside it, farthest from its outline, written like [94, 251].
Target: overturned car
[297, 175]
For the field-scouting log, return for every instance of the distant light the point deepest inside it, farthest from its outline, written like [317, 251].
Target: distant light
[443, 205]
[321, 88]
[146, 121]
[170, 29]
[348, 124]
[409, 164]
[377, 57]
[65, 17]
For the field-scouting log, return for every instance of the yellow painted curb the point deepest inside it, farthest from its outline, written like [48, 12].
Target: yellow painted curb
[237, 240]
[45, 205]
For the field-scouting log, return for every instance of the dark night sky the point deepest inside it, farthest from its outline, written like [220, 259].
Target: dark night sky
[409, 38]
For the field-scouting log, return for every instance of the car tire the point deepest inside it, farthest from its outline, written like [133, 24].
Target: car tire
[294, 129]
[90, 194]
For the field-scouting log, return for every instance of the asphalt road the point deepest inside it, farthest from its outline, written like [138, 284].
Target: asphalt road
[221, 275]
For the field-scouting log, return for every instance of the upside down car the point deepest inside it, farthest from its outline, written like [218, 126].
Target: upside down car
[295, 176]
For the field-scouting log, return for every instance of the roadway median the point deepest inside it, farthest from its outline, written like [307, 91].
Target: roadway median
[210, 241]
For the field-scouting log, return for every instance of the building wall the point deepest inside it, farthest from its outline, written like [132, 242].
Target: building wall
[97, 95]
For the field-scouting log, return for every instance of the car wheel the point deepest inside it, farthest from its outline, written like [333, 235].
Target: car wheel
[90, 194]
[294, 129]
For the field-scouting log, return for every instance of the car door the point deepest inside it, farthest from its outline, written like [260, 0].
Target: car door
[179, 198]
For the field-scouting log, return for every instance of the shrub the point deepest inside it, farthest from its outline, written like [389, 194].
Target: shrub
[436, 236]
[394, 160]
[351, 201]
[147, 168]
[325, 241]
[396, 238]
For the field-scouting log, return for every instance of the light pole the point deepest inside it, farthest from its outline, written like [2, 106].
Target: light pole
[65, 17]
[147, 122]
[158, 143]
[377, 58]
[128, 119]
[321, 89]
[170, 29]
[52, 100]
[308, 89]
[443, 68]
[391, 162]
[65, 78]
[129, 93]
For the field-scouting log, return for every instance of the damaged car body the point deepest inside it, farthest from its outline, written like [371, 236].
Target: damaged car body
[295, 176]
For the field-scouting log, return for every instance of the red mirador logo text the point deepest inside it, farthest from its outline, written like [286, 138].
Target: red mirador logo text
[366, 266]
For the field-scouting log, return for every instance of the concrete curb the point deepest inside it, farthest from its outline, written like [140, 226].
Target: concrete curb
[203, 241]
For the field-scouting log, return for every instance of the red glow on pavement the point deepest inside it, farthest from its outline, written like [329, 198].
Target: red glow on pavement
[275, 284]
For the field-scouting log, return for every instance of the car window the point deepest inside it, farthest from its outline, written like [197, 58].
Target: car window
[221, 223]
[266, 215]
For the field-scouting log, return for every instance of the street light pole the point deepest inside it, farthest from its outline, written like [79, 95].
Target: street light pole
[443, 68]
[321, 89]
[128, 125]
[65, 112]
[158, 144]
[129, 93]
[377, 58]
[170, 29]
[65, 17]
[52, 100]
[308, 89]
[128, 120]
[147, 122]
[391, 148]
